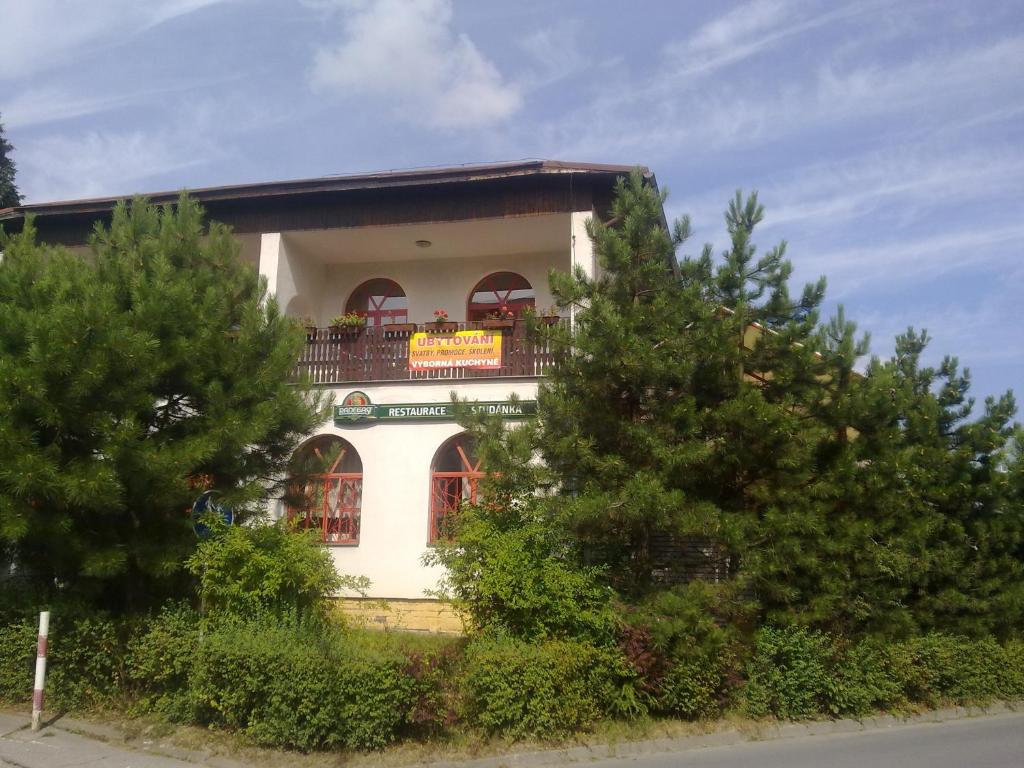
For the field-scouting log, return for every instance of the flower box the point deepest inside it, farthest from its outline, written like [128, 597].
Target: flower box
[345, 332]
[496, 324]
[440, 327]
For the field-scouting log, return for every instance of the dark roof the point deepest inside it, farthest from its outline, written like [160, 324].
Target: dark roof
[382, 180]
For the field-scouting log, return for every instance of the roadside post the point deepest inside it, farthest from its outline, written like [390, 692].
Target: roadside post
[37, 690]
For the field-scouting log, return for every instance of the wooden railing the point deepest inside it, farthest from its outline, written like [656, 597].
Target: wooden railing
[381, 353]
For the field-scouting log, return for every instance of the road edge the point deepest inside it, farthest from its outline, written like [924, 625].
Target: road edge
[764, 731]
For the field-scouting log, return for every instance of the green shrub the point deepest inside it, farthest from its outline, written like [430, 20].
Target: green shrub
[693, 689]
[687, 668]
[249, 570]
[84, 658]
[85, 664]
[867, 678]
[17, 661]
[937, 668]
[518, 689]
[796, 673]
[435, 675]
[160, 660]
[296, 686]
[789, 675]
[1013, 679]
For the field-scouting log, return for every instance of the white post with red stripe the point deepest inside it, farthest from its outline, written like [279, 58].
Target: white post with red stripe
[37, 691]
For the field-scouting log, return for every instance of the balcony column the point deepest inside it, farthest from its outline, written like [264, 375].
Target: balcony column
[270, 257]
[581, 250]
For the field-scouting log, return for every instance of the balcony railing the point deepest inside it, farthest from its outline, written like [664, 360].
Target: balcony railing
[381, 353]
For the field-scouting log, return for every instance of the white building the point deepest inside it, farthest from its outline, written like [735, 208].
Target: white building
[475, 241]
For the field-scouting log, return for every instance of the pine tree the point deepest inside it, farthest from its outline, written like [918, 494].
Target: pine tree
[675, 409]
[130, 381]
[9, 196]
[713, 407]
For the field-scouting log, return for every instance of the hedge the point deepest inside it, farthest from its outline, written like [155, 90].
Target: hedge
[796, 673]
[287, 683]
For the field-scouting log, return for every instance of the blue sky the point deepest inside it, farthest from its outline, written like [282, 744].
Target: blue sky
[886, 139]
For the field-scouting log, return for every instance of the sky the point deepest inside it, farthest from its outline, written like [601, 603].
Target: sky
[885, 139]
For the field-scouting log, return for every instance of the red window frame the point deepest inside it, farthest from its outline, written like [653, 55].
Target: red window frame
[336, 516]
[374, 311]
[500, 285]
[448, 490]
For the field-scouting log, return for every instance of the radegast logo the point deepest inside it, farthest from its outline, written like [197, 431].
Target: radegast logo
[355, 407]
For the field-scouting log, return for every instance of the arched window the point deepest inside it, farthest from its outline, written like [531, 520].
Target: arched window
[380, 301]
[454, 479]
[332, 476]
[500, 295]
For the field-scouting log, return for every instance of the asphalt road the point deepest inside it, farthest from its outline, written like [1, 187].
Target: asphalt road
[982, 742]
[992, 741]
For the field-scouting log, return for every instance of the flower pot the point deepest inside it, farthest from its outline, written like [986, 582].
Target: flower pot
[497, 324]
[396, 328]
[443, 327]
[346, 332]
[550, 319]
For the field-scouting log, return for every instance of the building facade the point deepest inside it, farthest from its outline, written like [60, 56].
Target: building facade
[434, 271]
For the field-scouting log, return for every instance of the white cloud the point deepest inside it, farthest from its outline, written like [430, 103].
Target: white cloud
[969, 329]
[41, 34]
[97, 164]
[674, 111]
[905, 182]
[555, 53]
[909, 262]
[45, 104]
[738, 25]
[406, 54]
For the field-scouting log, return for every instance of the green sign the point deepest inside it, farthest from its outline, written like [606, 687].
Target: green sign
[365, 411]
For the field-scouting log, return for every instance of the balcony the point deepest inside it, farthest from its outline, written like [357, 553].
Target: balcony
[381, 353]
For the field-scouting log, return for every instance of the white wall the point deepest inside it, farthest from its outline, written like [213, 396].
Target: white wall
[397, 457]
[293, 277]
[396, 482]
[442, 283]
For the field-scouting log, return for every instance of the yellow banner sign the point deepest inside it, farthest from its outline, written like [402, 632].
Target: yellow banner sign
[459, 349]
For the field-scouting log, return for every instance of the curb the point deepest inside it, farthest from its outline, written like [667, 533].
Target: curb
[115, 736]
[763, 731]
[768, 731]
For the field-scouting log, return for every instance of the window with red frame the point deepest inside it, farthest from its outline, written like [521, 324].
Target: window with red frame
[380, 301]
[454, 478]
[503, 295]
[332, 489]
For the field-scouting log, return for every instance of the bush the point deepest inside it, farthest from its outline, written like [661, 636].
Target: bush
[293, 686]
[789, 674]
[519, 689]
[161, 659]
[248, 570]
[85, 661]
[18, 640]
[936, 668]
[693, 689]
[435, 676]
[796, 673]
[688, 667]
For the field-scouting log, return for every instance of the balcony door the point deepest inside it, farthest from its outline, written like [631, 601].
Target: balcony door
[501, 295]
[380, 301]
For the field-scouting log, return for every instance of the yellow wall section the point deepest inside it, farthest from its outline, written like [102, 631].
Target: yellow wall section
[412, 615]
